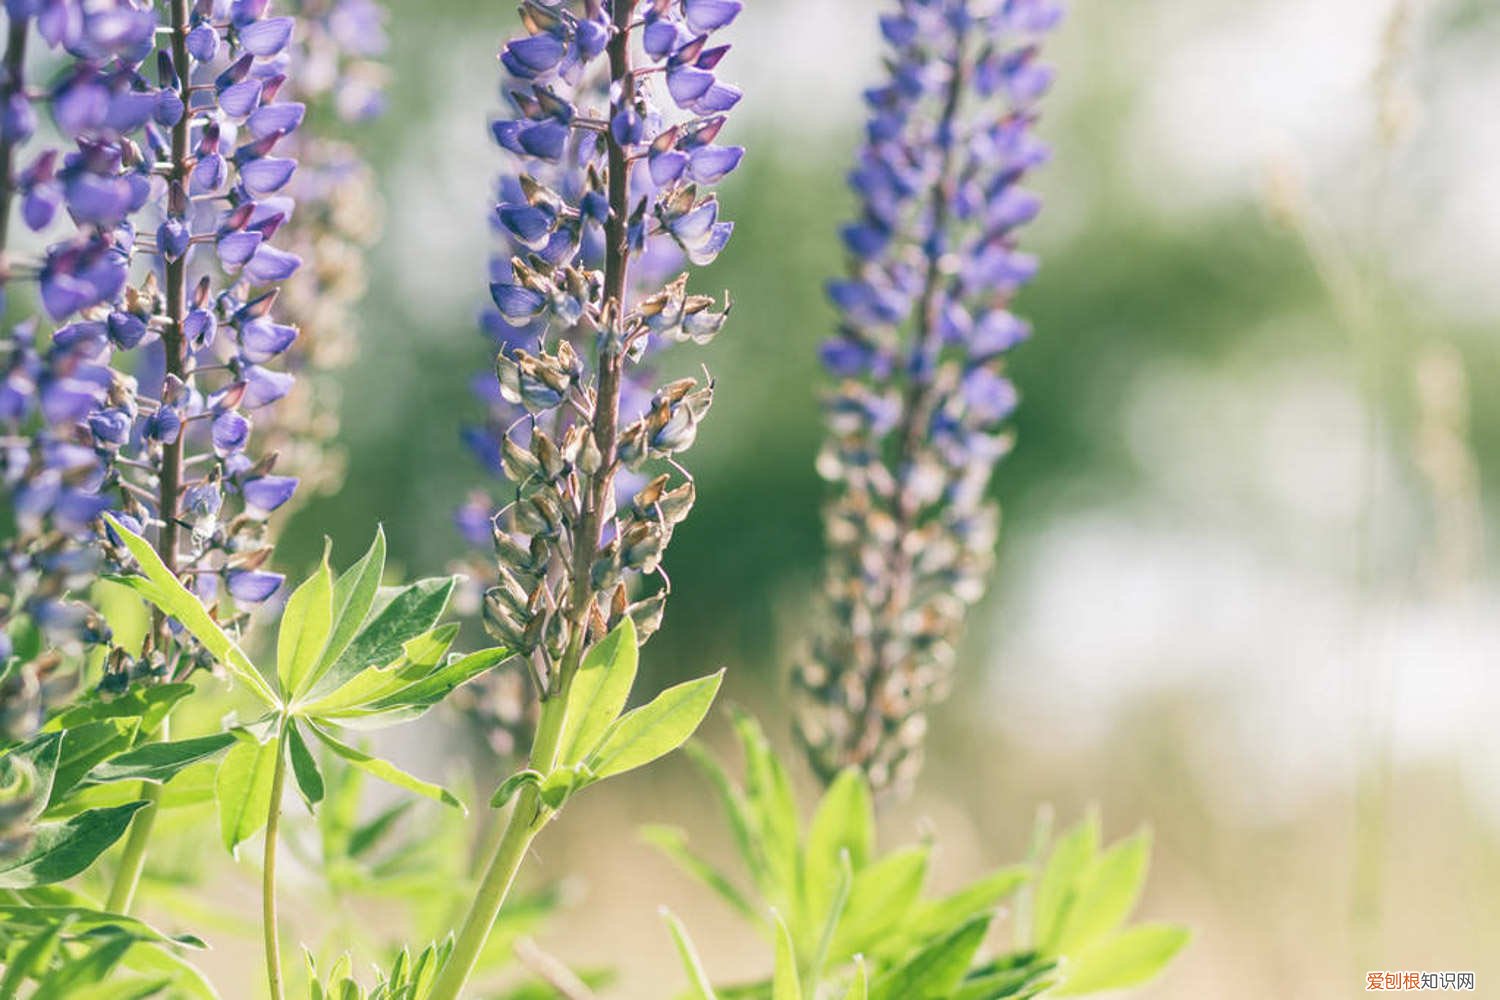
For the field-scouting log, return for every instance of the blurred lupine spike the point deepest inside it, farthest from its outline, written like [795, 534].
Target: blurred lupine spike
[336, 53]
[611, 145]
[917, 415]
[141, 395]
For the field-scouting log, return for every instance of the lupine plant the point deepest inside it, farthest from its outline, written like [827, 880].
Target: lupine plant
[917, 415]
[151, 423]
[841, 919]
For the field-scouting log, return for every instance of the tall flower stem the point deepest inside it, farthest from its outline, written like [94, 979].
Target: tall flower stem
[170, 488]
[917, 410]
[15, 64]
[529, 816]
[269, 928]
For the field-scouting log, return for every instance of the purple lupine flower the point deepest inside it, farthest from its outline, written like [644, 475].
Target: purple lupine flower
[319, 249]
[917, 416]
[601, 202]
[141, 392]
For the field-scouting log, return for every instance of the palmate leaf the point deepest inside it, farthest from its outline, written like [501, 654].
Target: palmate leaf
[931, 918]
[162, 588]
[412, 611]
[772, 810]
[58, 851]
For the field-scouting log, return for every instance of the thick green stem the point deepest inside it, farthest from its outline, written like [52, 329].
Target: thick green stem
[170, 484]
[268, 872]
[133, 861]
[526, 821]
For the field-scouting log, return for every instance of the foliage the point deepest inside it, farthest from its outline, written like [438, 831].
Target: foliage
[846, 920]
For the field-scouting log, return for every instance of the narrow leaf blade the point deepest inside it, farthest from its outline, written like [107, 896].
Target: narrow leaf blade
[655, 729]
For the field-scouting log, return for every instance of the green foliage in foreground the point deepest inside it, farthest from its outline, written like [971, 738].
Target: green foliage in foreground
[843, 920]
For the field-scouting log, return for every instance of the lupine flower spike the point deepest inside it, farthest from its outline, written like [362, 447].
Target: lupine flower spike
[612, 147]
[918, 412]
[138, 388]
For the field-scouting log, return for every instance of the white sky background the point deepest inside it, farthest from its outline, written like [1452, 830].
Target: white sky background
[1232, 576]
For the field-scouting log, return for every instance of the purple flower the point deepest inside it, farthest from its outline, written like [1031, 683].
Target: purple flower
[573, 331]
[917, 419]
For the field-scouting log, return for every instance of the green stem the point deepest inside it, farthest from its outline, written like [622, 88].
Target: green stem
[170, 486]
[526, 821]
[133, 861]
[268, 871]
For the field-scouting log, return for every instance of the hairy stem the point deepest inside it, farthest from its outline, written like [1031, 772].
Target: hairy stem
[133, 861]
[526, 821]
[170, 483]
[268, 870]
[529, 816]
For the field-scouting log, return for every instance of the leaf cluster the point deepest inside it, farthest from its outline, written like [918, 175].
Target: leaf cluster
[846, 921]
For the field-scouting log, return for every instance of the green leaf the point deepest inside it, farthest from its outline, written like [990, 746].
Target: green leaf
[150, 704]
[560, 785]
[31, 769]
[656, 729]
[881, 897]
[1127, 959]
[860, 988]
[353, 596]
[160, 762]
[186, 980]
[422, 654]
[412, 611]
[83, 747]
[931, 918]
[305, 625]
[844, 822]
[784, 983]
[1055, 892]
[304, 767]
[72, 977]
[1018, 975]
[936, 970]
[163, 589]
[672, 842]
[737, 810]
[31, 961]
[243, 789]
[599, 692]
[386, 771]
[382, 697]
[510, 786]
[773, 813]
[1107, 893]
[59, 851]
[700, 987]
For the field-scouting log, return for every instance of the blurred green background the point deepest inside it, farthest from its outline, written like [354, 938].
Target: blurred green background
[1244, 559]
